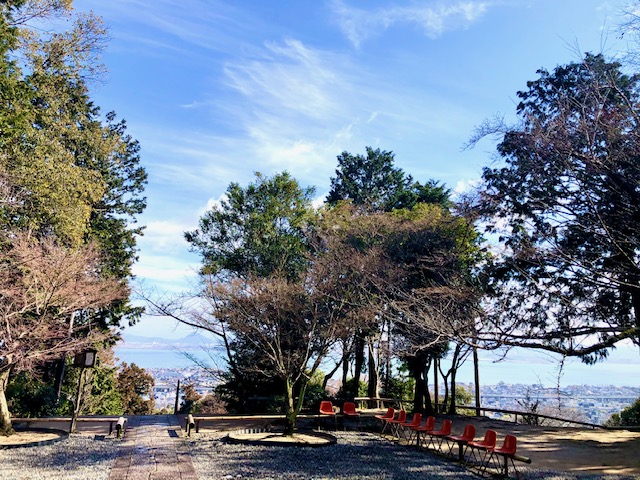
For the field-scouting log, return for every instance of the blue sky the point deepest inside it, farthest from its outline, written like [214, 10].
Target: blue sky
[215, 91]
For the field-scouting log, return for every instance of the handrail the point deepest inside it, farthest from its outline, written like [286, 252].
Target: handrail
[527, 414]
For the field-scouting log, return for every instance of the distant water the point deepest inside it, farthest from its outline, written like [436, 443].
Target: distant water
[513, 372]
[166, 358]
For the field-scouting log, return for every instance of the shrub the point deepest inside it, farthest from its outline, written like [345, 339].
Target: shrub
[629, 417]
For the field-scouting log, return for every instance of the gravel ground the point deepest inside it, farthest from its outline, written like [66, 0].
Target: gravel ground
[356, 456]
[79, 457]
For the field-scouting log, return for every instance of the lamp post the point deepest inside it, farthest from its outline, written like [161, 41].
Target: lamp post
[84, 360]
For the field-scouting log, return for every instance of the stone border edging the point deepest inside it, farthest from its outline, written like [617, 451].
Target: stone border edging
[62, 435]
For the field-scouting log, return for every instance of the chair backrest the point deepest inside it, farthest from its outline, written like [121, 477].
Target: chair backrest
[326, 406]
[349, 407]
[469, 433]
[490, 438]
[446, 427]
[509, 445]
[390, 413]
[430, 423]
[402, 416]
[415, 421]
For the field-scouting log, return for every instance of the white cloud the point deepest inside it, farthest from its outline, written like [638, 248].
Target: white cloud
[298, 107]
[434, 19]
[466, 185]
[165, 236]
[208, 25]
[166, 272]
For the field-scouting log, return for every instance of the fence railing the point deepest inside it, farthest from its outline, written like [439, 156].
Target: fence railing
[529, 417]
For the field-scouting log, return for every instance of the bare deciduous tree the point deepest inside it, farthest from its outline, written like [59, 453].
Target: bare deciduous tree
[45, 289]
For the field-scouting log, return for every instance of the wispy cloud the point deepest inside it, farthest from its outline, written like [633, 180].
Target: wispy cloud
[434, 19]
[207, 25]
[298, 107]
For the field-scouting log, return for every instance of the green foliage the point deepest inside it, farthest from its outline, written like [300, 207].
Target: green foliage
[29, 396]
[345, 392]
[313, 395]
[245, 388]
[258, 230]
[136, 389]
[464, 396]
[104, 397]
[399, 386]
[374, 183]
[629, 417]
[78, 174]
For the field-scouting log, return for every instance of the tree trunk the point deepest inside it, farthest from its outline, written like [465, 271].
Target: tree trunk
[419, 367]
[60, 369]
[345, 367]
[452, 403]
[428, 405]
[5, 415]
[436, 390]
[373, 390]
[291, 412]
[418, 394]
[359, 363]
[328, 376]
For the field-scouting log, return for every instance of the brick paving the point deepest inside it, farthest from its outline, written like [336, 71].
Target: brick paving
[154, 449]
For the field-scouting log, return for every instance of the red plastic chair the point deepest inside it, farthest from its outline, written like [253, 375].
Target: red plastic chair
[326, 409]
[395, 422]
[429, 425]
[507, 451]
[403, 427]
[486, 445]
[349, 411]
[439, 435]
[387, 416]
[461, 440]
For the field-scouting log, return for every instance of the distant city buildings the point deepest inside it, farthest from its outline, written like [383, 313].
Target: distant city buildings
[166, 383]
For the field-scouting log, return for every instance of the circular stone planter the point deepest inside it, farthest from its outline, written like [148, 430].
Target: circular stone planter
[33, 437]
[261, 436]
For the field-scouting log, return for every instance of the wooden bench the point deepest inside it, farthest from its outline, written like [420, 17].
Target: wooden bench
[199, 420]
[112, 421]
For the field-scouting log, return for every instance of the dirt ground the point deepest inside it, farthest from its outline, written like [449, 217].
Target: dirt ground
[21, 438]
[576, 450]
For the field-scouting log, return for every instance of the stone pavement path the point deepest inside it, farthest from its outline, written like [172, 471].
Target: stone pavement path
[153, 450]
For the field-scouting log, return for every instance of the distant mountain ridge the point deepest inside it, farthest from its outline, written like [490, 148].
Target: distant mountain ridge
[191, 341]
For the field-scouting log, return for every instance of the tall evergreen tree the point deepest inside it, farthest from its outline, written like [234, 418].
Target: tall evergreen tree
[68, 176]
[566, 209]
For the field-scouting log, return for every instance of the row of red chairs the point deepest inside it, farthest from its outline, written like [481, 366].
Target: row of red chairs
[491, 455]
[348, 410]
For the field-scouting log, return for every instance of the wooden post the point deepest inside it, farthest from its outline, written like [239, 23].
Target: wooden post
[175, 406]
[476, 379]
[76, 410]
